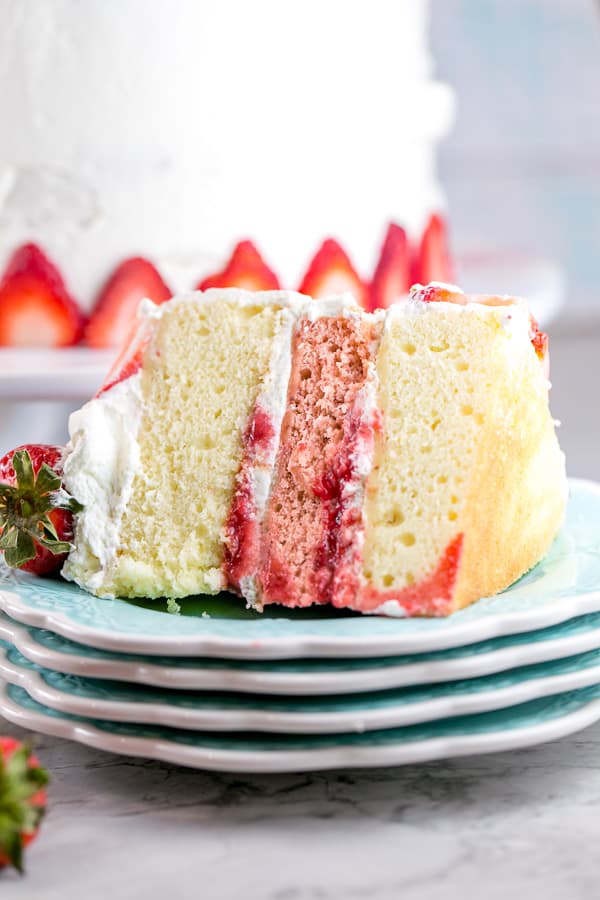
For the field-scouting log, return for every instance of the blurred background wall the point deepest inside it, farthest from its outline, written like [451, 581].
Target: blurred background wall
[521, 167]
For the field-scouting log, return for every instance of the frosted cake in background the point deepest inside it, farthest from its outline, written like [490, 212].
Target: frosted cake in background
[171, 130]
[142, 140]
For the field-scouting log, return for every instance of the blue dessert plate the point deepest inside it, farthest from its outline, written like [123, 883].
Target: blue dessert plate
[530, 723]
[565, 584]
[308, 677]
[224, 711]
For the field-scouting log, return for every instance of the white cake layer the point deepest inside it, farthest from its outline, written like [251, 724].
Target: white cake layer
[105, 454]
[173, 129]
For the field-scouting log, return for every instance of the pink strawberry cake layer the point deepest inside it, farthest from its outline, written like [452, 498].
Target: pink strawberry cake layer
[314, 511]
[305, 452]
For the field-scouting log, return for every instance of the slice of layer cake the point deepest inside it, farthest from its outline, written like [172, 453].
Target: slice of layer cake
[155, 455]
[304, 452]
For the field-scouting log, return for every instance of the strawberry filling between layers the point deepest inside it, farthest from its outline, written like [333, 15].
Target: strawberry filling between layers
[432, 596]
[242, 530]
[311, 533]
[343, 496]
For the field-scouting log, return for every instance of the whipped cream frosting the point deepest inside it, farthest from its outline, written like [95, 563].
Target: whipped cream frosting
[272, 397]
[102, 459]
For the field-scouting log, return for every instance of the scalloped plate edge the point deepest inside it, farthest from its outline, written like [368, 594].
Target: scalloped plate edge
[313, 646]
[291, 722]
[290, 683]
[270, 761]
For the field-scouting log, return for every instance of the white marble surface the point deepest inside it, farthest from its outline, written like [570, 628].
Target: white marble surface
[510, 825]
[522, 824]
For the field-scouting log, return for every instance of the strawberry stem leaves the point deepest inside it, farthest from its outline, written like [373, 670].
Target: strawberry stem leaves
[47, 479]
[22, 552]
[25, 509]
[23, 467]
[19, 815]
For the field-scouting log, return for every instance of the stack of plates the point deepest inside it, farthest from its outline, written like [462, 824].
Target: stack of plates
[220, 687]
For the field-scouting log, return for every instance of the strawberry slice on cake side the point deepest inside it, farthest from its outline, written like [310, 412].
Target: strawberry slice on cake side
[36, 308]
[433, 260]
[114, 312]
[331, 273]
[391, 279]
[245, 269]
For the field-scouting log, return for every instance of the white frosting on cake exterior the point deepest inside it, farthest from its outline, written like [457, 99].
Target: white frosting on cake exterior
[173, 129]
[103, 457]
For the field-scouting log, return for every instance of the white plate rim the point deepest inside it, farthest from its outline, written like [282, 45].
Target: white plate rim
[290, 683]
[256, 762]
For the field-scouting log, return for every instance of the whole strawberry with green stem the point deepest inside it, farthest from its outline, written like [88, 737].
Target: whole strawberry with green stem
[22, 800]
[36, 513]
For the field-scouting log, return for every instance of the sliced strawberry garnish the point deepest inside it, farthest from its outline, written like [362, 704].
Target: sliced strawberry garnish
[128, 363]
[331, 272]
[392, 273]
[539, 338]
[36, 309]
[439, 293]
[433, 262]
[245, 269]
[116, 306]
[131, 356]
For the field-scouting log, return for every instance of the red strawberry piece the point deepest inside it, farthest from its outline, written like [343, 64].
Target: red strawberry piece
[133, 280]
[433, 262]
[36, 513]
[539, 338]
[392, 273]
[22, 800]
[131, 356]
[245, 269]
[36, 309]
[127, 364]
[437, 293]
[331, 272]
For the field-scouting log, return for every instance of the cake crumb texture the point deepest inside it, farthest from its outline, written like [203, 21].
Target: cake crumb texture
[301, 539]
